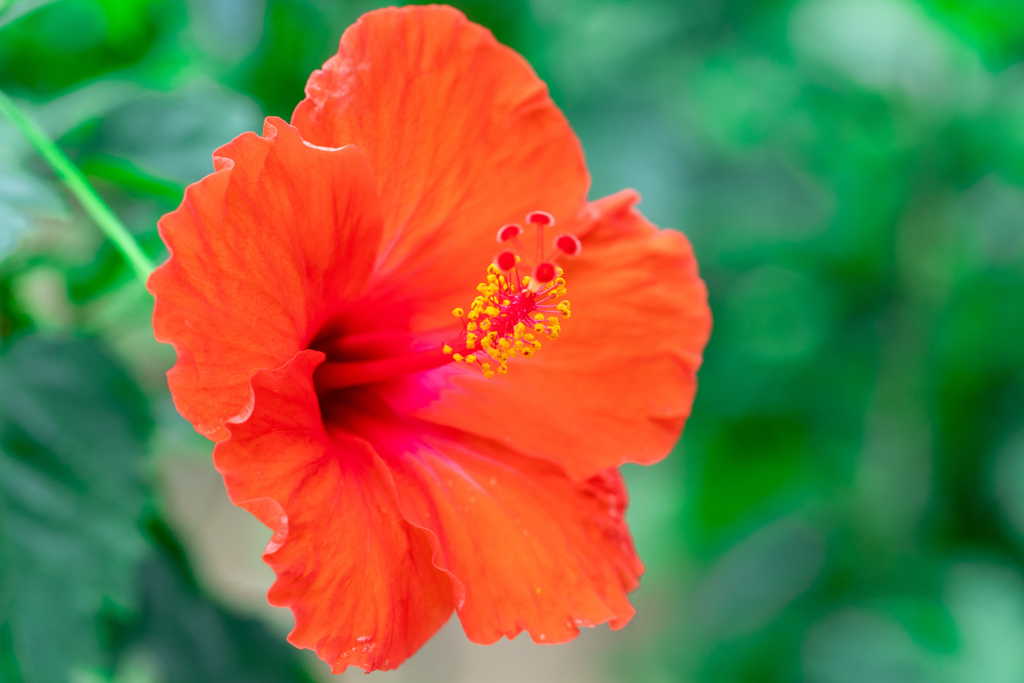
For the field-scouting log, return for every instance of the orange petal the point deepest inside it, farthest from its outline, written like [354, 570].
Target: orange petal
[618, 383]
[260, 249]
[357, 576]
[529, 548]
[462, 138]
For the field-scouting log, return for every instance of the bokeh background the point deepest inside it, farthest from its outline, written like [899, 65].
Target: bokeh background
[847, 503]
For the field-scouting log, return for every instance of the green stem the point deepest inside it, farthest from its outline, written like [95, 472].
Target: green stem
[76, 183]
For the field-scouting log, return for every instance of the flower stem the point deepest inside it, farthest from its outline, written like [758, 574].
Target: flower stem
[76, 183]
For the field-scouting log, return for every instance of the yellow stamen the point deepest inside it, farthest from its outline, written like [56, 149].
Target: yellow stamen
[508, 319]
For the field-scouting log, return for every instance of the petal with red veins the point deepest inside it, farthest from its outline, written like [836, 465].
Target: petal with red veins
[358, 577]
[462, 138]
[527, 547]
[261, 251]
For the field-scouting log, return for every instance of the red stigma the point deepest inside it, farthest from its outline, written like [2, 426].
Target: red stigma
[540, 218]
[506, 260]
[544, 272]
[509, 231]
[568, 244]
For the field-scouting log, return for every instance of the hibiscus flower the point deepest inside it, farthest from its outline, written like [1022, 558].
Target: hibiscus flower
[410, 404]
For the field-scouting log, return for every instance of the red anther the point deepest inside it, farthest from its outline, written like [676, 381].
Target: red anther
[568, 244]
[506, 260]
[544, 272]
[540, 218]
[509, 231]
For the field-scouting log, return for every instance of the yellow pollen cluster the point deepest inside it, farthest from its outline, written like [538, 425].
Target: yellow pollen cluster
[507, 319]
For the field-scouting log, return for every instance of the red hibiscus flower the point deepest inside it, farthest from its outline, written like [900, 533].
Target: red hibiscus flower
[405, 401]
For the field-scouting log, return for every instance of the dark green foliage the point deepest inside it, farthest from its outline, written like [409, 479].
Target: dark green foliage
[80, 587]
[73, 40]
[73, 428]
[190, 639]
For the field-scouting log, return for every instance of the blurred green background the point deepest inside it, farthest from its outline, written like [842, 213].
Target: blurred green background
[847, 503]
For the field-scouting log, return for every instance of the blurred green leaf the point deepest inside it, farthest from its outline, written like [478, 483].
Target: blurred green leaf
[172, 136]
[189, 639]
[64, 43]
[15, 9]
[73, 429]
[25, 197]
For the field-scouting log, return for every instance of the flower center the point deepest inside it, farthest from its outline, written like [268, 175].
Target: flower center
[519, 305]
[514, 311]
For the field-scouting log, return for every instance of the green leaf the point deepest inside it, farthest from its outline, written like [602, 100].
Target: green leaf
[187, 638]
[24, 197]
[73, 428]
[15, 9]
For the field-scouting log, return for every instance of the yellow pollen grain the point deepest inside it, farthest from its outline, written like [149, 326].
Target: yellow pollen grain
[447, 350]
[458, 313]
